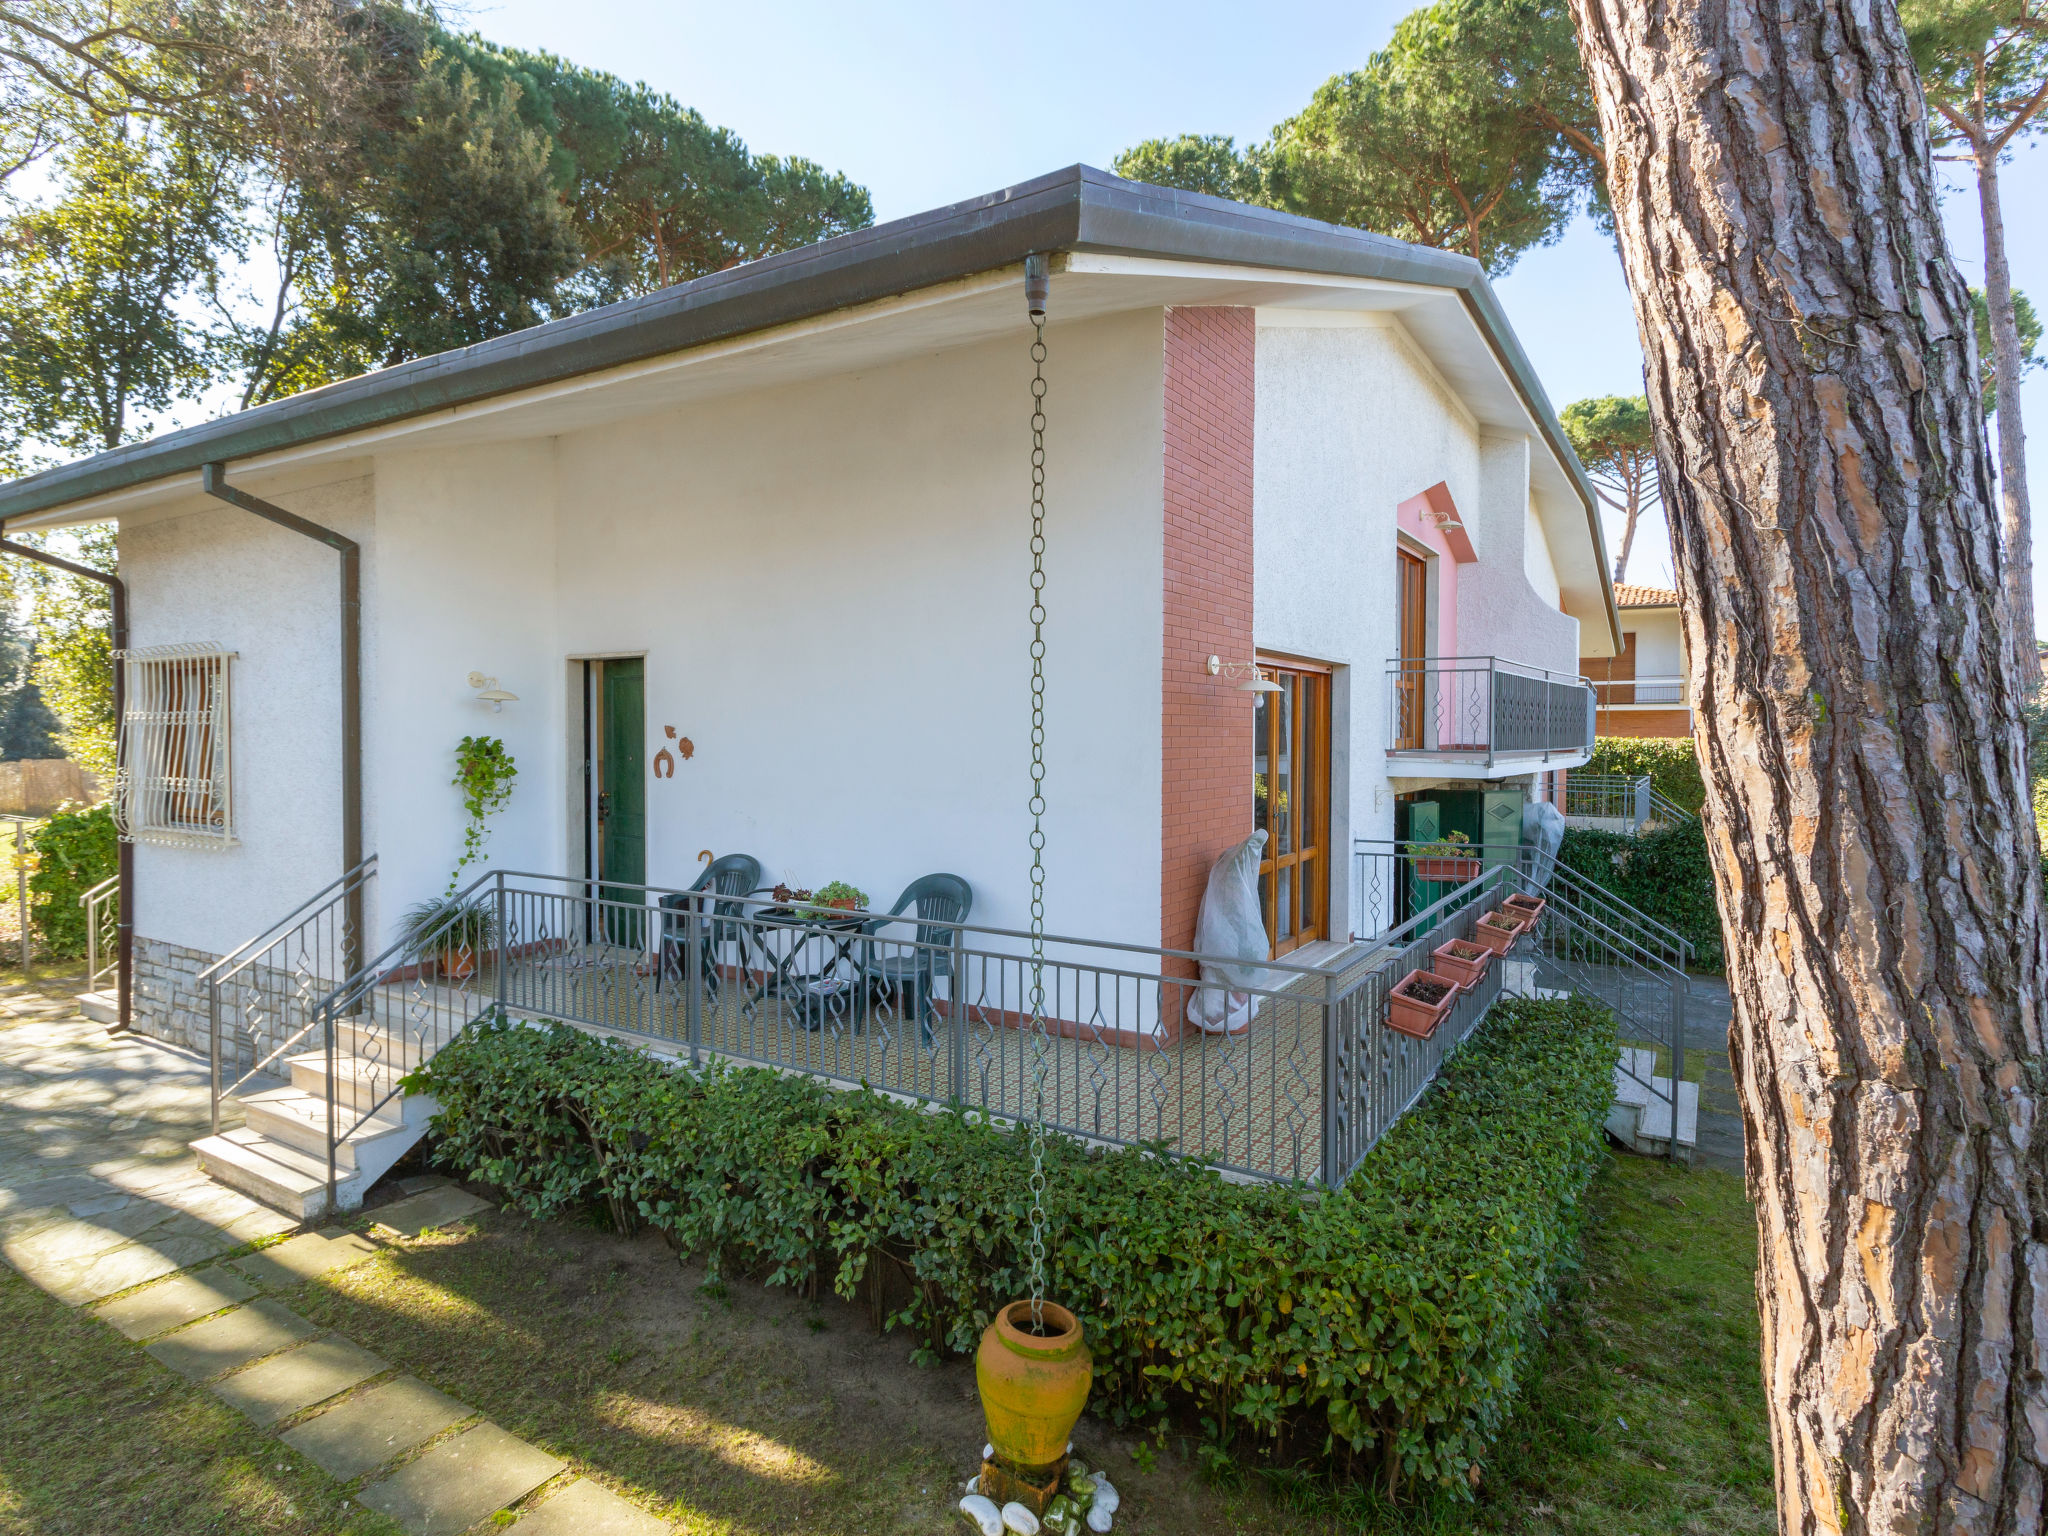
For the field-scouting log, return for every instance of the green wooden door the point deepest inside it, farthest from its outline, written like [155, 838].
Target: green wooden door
[622, 796]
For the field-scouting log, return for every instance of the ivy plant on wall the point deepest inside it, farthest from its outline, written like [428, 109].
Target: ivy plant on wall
[484, 772]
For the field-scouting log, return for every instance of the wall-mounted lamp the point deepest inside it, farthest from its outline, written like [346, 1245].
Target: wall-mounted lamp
[488, 692]
[1255, 681]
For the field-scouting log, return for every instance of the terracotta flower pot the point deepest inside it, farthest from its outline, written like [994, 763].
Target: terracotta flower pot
[1531, 907]
[1494, 938]
[1033, 1385]
[1447, 871]
[1468, 972]
[1419, 1016]
[458, 964]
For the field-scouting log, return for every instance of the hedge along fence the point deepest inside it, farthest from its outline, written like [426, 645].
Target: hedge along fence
[1673, 767]
[75, 849]
[1384, 1326]
[1663, 872]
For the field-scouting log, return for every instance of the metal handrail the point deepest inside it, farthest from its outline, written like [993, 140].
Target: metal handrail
[238, 957]
[1655, 683]
[1654, 937]
[308, 925]
[96, 902]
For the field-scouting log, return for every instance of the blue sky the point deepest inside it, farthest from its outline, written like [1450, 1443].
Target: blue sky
[925, 103]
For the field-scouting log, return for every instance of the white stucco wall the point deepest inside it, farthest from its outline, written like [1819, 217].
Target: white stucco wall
[1536, 562]
[829, 584]
[1500, 612]
[1351, 422]
[210, 572]
[1658, 647]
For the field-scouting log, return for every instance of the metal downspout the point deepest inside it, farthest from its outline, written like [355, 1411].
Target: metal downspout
[124, 922]
[214, 479]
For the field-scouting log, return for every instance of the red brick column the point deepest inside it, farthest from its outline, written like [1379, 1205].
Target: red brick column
[1206, 725]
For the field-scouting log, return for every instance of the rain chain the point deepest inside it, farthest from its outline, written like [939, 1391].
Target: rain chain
[1037, 282]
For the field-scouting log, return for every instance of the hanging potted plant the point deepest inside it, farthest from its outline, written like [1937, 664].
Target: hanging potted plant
[1420, 1003]
[1446, 862]
[1527, 907]
[1463, 961]
[1497, 930]
[448, 934]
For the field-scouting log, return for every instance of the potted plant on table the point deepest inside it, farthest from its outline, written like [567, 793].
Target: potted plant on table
[449, 934]
[835, 899]
[1420, 1003]
[1463, 961]
[1446, 862]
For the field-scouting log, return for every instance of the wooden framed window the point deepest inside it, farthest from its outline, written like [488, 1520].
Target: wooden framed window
[171, 784]
[1291, 802]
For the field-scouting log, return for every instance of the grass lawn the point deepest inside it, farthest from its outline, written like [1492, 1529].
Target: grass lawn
[743, 1410]
[96, 1438]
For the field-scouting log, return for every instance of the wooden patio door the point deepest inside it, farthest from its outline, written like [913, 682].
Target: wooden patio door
[1291, 802]
[1411, 702]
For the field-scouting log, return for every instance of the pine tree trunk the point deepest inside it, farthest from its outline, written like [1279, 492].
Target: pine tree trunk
[1859, 728]
[2016, 521]
[1630, 514]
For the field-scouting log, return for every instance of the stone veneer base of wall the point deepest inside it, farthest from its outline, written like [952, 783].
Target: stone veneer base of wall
[168, 1003]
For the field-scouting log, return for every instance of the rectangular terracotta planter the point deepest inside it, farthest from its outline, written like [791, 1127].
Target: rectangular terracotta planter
[1415, 1016]
[1468, 973]
[1530, 906]
[1447, 871]
[1496, 939]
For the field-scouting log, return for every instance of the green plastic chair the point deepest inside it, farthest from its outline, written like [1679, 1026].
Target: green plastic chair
[736, 874]
[938, 900]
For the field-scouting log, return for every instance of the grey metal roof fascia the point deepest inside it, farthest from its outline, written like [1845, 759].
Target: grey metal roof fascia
[887, 259]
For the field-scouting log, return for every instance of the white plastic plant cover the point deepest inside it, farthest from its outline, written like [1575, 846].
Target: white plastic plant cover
[1231, 926]
[1542, 835]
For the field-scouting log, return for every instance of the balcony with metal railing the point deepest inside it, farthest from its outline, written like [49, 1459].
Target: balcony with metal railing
[1663, 692]
[1485, 713]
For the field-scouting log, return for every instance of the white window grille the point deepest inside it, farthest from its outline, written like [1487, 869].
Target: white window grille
[172, 784]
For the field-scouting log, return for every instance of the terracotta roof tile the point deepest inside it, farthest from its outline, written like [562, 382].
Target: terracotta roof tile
[1629, 596]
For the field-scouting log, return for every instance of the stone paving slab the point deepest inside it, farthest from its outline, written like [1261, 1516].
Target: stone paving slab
[277, 1388]
[234, 1338]
[362, 1434]
[585, 1508]
[431, 1208]
[173, 1303]
[304, 1257]
[76, 1282]
[458, 1482]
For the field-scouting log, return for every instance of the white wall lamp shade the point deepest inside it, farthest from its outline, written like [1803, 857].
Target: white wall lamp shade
[488, 692]
[1255, 681]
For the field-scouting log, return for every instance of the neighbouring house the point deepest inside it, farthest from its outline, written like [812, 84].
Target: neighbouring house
[742, 566]
[1642, 687]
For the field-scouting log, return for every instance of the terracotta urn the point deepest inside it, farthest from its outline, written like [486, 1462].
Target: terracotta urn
[1033, 1383]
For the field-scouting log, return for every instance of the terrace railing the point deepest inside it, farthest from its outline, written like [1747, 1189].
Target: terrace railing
[932, 1011]
[102, 906]
[262, 1000]
[1589, 942]
[1481, 709]
[1619, 802]
[1640, 690]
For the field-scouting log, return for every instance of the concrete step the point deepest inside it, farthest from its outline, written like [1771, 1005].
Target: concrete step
[281, 1177]
[1641, 1118]
[298, 1119]
[101, 1007]
[359, 1081]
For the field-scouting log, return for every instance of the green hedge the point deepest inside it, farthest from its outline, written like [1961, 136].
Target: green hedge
[1664, 873]
[1671, 764]
[75, 849]
[1385, 1326]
